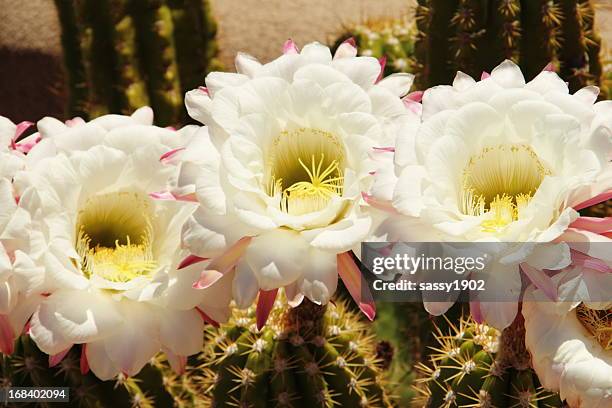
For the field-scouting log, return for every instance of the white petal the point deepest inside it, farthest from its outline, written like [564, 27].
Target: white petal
[181, 331]
[399, 84]
[508, 75]
[245, 286]
[69, 317]
[275, 257]
[247, 65]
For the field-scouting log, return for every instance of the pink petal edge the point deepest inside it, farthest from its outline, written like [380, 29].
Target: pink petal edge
[593, 224]
[57, 358]
[265, 303]
[386, 206]
[190, 260]
[6, 336]
[540, 281]
[600, 198]
[289, 47]
[206, 318]
[84, 364]
[165, 158]
[382, 61]
[351, 276]
[476, 312]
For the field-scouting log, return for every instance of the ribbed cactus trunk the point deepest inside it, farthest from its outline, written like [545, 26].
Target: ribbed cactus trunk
[123, 54]
[475, 365]
[476, 35]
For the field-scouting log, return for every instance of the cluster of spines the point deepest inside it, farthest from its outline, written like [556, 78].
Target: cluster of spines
[123, 54]
[474, 36]
[473, 367]
[306, 357]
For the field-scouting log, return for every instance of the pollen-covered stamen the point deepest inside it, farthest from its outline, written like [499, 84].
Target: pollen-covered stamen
[598, 323]
[499, 182]
[305, 170]
[115, 237]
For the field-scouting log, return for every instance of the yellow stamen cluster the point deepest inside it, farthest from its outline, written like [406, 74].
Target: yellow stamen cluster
[115, 235]
[598, 323]
[313, 195]
[305, 170]
[499, 182]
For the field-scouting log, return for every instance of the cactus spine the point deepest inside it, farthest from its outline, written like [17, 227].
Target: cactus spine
[123, 54]
[475, 36]
[474, 365]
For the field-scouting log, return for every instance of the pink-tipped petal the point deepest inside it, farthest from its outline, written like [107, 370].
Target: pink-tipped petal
[541, 281]
[162, 195]
[387, 149]
[206, 318]
[356, 285]
[170, 128]
[20, 128]
[581, 259]
[593, 224]
[350, 41]
[348, 49]
[207, 279]
[166, 157]
[25, 147]
[230, 258]
[383, 205]
[383, 63]
[265, 303]
[74, 122]
[412, 106]
[290, 48]
[484, 75]
[177, 362]
[83, 363]
[600, 198]
[549, 67]
[191, 198]
[416, 96]
[57, 358]
[204, 90]
[190, 260]
[476, 312]
[6, 336]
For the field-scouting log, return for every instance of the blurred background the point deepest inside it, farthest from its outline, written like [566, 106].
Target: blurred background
[82, 57]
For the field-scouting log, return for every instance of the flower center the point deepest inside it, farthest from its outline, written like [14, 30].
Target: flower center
[305, 167]
[598, 323]
[114, 236]
[499, 182]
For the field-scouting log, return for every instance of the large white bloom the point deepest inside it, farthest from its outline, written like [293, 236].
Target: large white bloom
[17, 272]
[293, 144]
[502, 160]
[571, 346]
[109, 251]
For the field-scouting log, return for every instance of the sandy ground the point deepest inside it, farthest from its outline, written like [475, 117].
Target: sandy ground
[29, 39]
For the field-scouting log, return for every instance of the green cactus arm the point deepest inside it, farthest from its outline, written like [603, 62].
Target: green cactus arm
[259, 363]
[131, 84]
[157, 52]
[440, 31]
[233, 359]
[73, 58]
[540, 20]
[573, 56]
